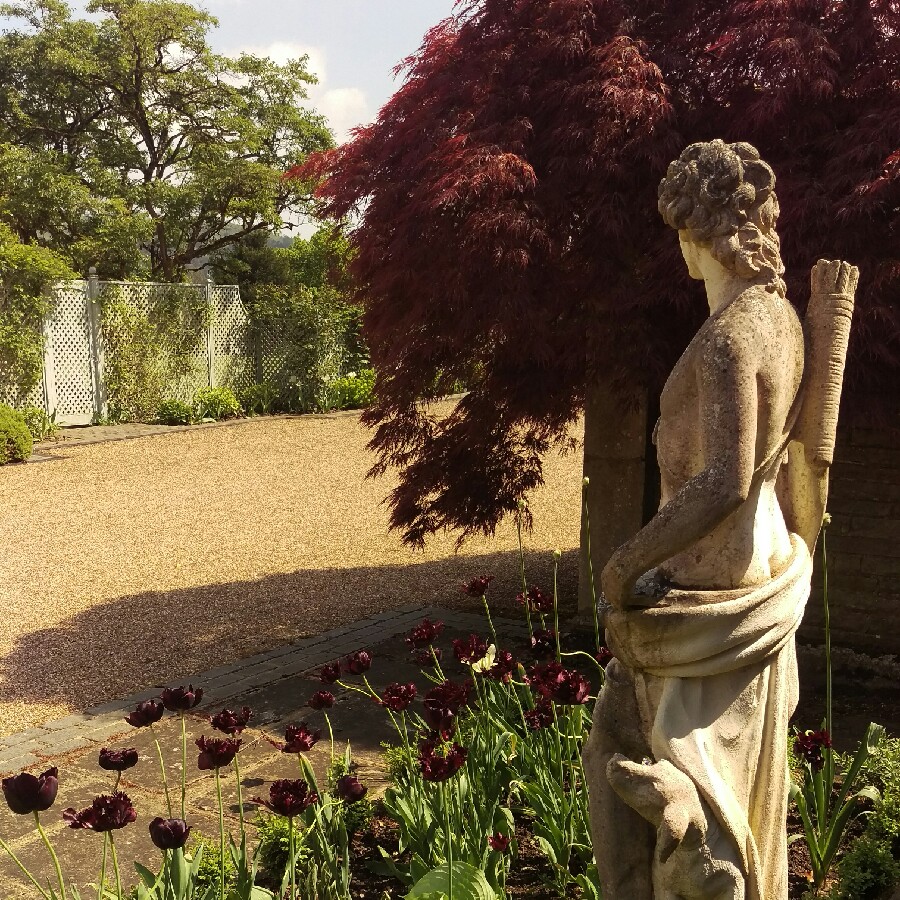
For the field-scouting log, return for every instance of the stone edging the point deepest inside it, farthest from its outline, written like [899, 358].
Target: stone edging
[99, 724]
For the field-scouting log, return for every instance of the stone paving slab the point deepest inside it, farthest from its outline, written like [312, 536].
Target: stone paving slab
[275, 684]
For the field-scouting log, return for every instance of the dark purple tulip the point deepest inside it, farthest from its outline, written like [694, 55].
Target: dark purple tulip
[424, 634]
[26, 793]
[330, 673]
[470, 650]
[118, 760]
[478, 586]
[554, 682]
[437, 766]
[300, 738]
[289, 798]
[359, 662]
[539, 717]
[810, 744]
[230, 722]
[422, 656]
[543, 643]
[145, 713]
[603, 656]
[181, 699]
[321, 700]
[350, 789]
[397, 697]
[503, 667]
[451, 695]
[536, 599]
[106, 813]
[169, 834]
[498, 842]
[216, 752]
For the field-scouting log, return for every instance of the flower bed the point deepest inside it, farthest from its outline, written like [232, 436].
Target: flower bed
[486, 798]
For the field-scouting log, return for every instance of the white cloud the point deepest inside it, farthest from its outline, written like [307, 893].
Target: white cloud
[344, 107]
[283, 51]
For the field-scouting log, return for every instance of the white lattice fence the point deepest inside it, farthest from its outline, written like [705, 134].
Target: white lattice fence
[211, 345]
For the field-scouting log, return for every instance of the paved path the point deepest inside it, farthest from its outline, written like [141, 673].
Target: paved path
[276, 685]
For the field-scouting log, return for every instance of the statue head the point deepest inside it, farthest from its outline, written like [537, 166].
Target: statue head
[720, 197]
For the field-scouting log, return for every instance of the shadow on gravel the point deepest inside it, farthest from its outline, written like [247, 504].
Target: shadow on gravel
[144, 640]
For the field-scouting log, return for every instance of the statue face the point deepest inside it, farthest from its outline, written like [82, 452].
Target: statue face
[691, 253]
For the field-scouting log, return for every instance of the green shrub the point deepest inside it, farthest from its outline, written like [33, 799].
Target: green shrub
[174, 412]
[41, 426]
[871, 866]
[272, 847]
[216, 403]
[868, 871]
[258, 399]
[353, 391]
[210, 864]
[15, 438]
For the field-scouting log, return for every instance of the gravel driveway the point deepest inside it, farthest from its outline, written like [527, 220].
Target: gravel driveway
[130, 564]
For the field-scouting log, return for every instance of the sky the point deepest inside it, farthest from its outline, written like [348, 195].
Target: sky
[353, 45]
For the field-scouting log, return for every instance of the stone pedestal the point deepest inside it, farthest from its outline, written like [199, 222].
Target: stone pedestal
[614, 443]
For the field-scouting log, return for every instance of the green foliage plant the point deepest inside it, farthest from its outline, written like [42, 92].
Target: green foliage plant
[15, 438]
[41, 426]
[828, 800]
[175, 412]
[216, 403]
[352, 391]
[870, 868]
[26, 274]
[149, 350]
[258, 399]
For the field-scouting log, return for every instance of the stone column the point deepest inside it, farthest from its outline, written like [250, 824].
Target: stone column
[614, 443]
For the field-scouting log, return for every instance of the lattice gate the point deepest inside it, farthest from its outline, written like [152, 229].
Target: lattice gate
[74, 351]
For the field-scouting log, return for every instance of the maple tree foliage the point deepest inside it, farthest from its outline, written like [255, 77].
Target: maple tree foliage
[506, 230]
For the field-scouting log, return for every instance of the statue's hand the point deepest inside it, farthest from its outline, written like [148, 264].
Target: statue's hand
[834, 277]
[617, 585]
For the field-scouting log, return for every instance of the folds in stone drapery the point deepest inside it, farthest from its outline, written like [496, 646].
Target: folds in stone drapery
[723, 667]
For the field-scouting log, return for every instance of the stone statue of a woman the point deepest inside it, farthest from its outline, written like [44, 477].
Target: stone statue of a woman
[686, 763]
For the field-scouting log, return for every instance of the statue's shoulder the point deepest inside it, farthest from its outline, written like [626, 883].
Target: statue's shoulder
[756, 320]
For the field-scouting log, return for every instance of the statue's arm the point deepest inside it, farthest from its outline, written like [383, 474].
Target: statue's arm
[726, 382]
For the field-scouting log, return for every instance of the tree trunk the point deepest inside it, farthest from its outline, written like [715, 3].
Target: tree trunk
[614, 446]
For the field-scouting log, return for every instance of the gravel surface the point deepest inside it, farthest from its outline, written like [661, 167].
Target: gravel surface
[131, 564]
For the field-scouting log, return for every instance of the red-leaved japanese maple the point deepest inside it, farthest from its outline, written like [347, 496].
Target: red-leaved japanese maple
[506, 226]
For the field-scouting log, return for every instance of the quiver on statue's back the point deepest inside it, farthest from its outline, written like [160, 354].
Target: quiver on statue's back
[803, 482]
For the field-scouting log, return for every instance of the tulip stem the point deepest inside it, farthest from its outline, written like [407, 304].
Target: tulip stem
[53, 856]
[237, 775]
[115, 859]
[449, 841]
[330, 734]
[490, 621]
[21, 866]
[556, 604]
[183, 765]
[162, 769]
[291, 859]
[102, 869]
[522, 573]
[590, 564]
[221, 836]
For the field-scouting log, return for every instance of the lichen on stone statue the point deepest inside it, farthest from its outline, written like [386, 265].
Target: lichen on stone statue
[687, 759]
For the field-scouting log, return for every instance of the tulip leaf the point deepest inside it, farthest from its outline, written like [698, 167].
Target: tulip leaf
[146, 875]
[469, 883]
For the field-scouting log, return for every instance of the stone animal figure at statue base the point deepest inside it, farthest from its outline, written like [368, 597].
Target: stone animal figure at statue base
[685, 866]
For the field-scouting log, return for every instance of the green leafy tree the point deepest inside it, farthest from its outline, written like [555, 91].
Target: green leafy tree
[140, 123]
[25, 273]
